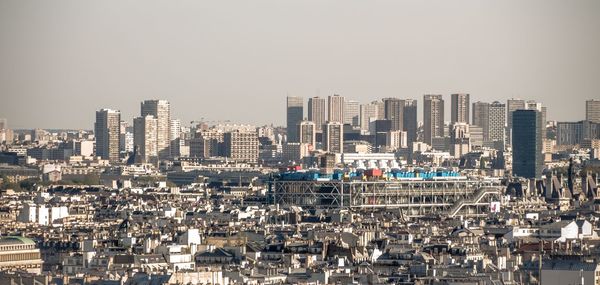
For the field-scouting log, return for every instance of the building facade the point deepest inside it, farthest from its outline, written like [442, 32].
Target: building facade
[481, 118]
[333, 137]
[295, 113]
[161, 111]
[394, 111]
[307, 131]
[241, 146]
[574, 133]
[459, 111]
[410, 122]
[460, 143]
[511, 106]
[335, 108]
[497, 124]
[433, 117]
[317, 112]
[368, 113]
[527, 144]
[107, 131]
[592, 111]
[145, 139]
[174, 137]
[352, 113]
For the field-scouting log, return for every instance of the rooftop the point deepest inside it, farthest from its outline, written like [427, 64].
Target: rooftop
[15, 240]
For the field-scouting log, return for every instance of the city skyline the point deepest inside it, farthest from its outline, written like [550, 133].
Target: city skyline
[299, 142]
[208, 66]
[447, 108]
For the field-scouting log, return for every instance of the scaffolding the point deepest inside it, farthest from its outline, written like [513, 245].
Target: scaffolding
[415, 198]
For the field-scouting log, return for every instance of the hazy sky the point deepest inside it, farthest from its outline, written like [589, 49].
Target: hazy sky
[62, 60]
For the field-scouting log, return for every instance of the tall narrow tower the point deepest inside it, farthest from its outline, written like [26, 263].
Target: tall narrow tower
[295, 112]
[527, 144]
[161, 111]
[335, 108]
[107, 131]
[333, 137]
[394, 111]
[459, 112]
[433, 117]
[316, 112]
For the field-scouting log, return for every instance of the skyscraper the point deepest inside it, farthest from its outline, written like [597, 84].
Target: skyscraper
[532, 105]
[527, 144]
[511, 106]
[592, 111]
[335, 108]
[145, 138]
[497, 124]
[161, 111]
[352, 112]
[6, 134]
[174, 137]
[333, 137]
[410, 122]
[295, 112]
[481, 117]
[307, 131]
[460, 108]
[433, 117]
[394, 111]
[107, 130]
[316, 112]
[368, 113]
[380, 109]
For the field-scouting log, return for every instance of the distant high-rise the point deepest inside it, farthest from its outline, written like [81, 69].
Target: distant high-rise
[527, 144]
[433, 117]
[511, 106]
[352, 112]
[460, 108]
[161, 111]
[307, 131]
[174, 137]
[295, 113]
[145, 138]
[394, 111]
[368, 113]
[380, 109]
[335, 108]
[6, 135]
[481, 118]
[241, 145]
[592, 111]
[107, 130]
[410, 122]
[497, 124]
[532, 105]
[316, 112]
[333, 137]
